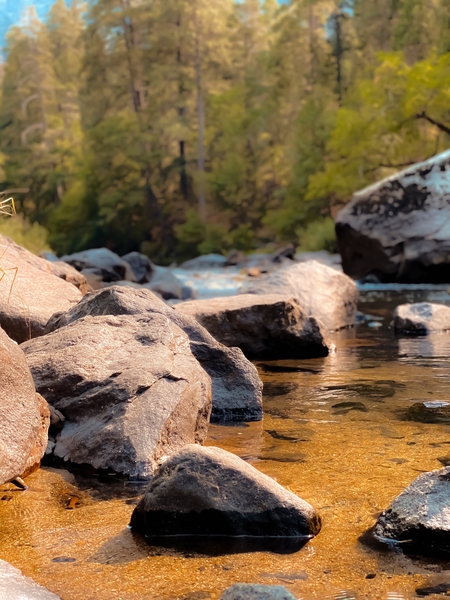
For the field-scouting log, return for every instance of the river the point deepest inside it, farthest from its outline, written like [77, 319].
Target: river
[336, 432]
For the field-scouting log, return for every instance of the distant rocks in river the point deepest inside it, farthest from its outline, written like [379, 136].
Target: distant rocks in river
[421, 318]
[32, 290]
[208, 491]
[129, 388]
[102, 262]
[324, 293]
[15, 586]
[24, 416]
[255, 591]
[262, 326]
[141, 265]
[236, 387]
[399, 228]
[420, 515]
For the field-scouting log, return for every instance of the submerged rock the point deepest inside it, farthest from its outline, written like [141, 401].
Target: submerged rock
[398, 228]
[15, 586]
[265, 326]
[31, 290]
[108, 265]
[129, 388]
[208, 491]
[324, 293]
[420, 514]
[429, 412]
[23, 424]
[254, 591]
[236, 386]
[422, 318]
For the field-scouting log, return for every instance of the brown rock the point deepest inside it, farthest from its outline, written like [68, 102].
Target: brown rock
[22, 414]
[262, 326]
[129, 389]
[29, 292]
[34, 460]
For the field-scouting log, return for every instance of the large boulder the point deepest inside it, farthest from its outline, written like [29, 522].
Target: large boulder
[108, 265]
[420, 514]
[399, 228]
[30, 292]
[262, 326]
[421, 318]
[141, 265]
[324, 293]
[128, 387]
[236, 387]
[15, 586]
[23, 424]
[208, 491]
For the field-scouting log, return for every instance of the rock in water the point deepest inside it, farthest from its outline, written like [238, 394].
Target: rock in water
[262, 326]
[29, 292]
[420, 514]
[23, 430]
[236, 386]
[14, 586]
[422, 318]
[208, 491]
[254, 591]
[129, 388]
[141, 265]
[164, 283]
[108, 265]
[399, 228]
[324, 293]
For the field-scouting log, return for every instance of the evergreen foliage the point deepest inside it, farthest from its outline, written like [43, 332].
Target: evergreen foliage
[175, 127]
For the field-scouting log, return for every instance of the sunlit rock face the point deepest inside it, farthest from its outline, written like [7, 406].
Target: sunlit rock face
[399, 228]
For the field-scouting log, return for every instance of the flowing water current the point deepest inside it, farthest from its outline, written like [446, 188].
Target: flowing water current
[338, 431]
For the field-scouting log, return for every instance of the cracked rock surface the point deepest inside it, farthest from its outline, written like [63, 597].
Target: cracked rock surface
[128, 387]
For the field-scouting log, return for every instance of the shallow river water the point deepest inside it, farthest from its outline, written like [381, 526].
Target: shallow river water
[335, 432]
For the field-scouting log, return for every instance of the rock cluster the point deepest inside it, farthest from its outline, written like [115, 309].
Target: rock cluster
[421, 318]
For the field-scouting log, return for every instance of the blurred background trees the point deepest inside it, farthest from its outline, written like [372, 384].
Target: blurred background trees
[179, 127]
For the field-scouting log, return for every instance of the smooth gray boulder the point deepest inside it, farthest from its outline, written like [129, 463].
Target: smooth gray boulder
[164, 283]
[23, 434]
[262, 326]
[31, 291]
[421, 318]
[209, 491]
[129, 388]
[141, 265]
[325, 294]
[236, 386]
[101, 261]
[420, 514]
[399, 228]
[15, 586]
[255, 591]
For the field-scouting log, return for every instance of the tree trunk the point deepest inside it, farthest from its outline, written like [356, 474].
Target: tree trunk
[201, 123]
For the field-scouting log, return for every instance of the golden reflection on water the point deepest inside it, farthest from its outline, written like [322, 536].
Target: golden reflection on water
[348, 460]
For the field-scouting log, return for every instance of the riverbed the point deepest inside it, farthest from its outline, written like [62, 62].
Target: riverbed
[335, 432]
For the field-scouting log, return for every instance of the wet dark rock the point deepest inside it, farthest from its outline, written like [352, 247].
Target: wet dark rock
[421, 318]
[440, 588]
[106, 264]
[286, 369]
[129, 388]
[420, 515]
[323, 293]
[444, 460]
[29, 292]
[397, 229]
[208, 491]
[285, 251]
[422, 413]
[207, 261]
[292, 434]
[254, 591]
[15, 586]
[275, 388]
[236, 387]
[23, 424]
[164, 283]
[270, 326]
[141, 265]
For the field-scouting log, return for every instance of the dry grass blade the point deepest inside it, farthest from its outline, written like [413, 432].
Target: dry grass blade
[7, 207]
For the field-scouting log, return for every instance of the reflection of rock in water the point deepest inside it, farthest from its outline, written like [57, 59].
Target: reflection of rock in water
[435, 345]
